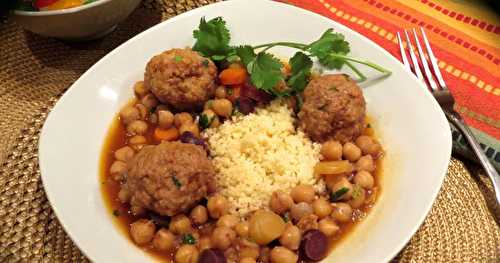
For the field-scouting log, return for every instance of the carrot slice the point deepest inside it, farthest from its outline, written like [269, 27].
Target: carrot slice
[233, 76]
[166, 135]
[233, 93]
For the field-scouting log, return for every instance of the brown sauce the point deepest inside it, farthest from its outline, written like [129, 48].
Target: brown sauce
[116, 138]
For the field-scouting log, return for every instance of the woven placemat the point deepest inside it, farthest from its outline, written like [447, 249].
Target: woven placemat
[34, 72]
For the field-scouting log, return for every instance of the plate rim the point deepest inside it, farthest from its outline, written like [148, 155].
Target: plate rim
[394, 250]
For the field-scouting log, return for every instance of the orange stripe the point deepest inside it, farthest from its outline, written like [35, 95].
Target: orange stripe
[408, 18]
[463, 18]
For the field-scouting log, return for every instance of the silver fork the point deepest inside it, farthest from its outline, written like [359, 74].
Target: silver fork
[443, 97]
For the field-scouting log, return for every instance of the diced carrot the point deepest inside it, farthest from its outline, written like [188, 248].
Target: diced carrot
[233, 76]
[166, 135]
[233, 93]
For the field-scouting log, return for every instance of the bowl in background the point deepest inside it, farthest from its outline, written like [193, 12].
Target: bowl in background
[86, 22]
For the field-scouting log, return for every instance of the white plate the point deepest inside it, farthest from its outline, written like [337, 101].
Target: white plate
[413, 129]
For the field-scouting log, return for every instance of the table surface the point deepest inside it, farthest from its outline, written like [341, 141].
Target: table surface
[34, 72]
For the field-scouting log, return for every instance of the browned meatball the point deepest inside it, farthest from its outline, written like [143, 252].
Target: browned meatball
[169, 178]
[181, 78]
[334, 108]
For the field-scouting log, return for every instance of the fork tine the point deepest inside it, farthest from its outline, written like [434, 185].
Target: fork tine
[433, 60]
[414, 60]
[403, 53]
[427, 71]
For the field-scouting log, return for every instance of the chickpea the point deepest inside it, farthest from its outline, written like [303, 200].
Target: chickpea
[140, 89]
[137, 210]
[217, 206]
[149, 101]
[181, 118]
[222, 237]
[302, 193]
[247, 260]
[351, 152]
[223, 107]
[124, 154]
[164, 240]
[124, 195]
[322, 207]
[358, 197]
[153, 118]
[364, 179]
[300, 210]
[364, 143]
[332, 150]
[208, 105]
[199, 215]
[328, 227]
[190, 127]
[118, 168]
[242, 229]
[137, 127]
[187, 254]
[291, 237]
[248, 249]
[180, 224]
[142, 231]
[365, 163]
[204, 243]
[280, 202]
[342, 212]
[137, 139]
[165, 119]
[283, 255]
[343, 183]
[129, 114]
[215, 122]
[227, 221]
[375, 150]
[143, 111]
[220, 92]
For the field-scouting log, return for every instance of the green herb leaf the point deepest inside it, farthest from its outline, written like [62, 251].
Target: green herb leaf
[205, 121]
[177, 183]
[301, 66]
[286, 218]
[335, 196]
[246, 54]
[116, 213]
[298, 103]
[327, 44]
[205, 63]
[333, 88]
[212, 39]
[188, 239]
[265, 72]
[178, 58]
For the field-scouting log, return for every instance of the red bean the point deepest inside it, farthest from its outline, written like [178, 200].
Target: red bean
[314, 245]
[212, 256]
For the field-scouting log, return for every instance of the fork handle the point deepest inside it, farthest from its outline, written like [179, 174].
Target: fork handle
[488, 167]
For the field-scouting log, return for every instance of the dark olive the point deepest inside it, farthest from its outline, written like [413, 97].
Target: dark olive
[212, 256]
[314, 245]
[188, 137]
[245, 105]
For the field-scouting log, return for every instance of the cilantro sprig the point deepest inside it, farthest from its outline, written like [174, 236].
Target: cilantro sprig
[331, 50]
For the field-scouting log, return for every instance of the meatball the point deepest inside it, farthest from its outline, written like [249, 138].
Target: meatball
[169, 178]
[333, 109]
[181, 78]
